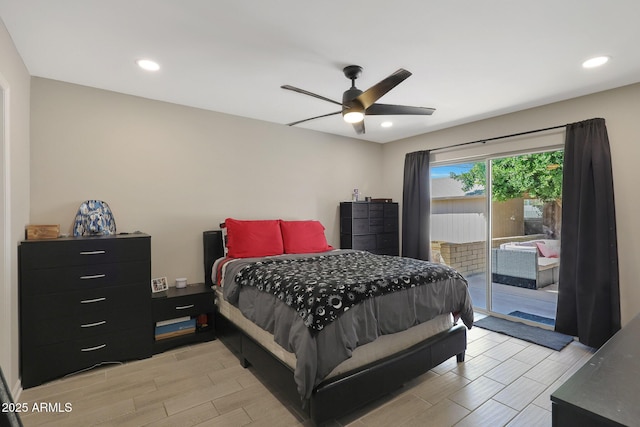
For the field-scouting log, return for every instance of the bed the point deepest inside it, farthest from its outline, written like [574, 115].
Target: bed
[363, 363]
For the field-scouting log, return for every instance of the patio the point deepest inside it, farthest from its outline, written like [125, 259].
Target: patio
[507, 299]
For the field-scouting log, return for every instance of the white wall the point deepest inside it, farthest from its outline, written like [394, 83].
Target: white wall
[619, 107]
[173, 171]
[14, 203]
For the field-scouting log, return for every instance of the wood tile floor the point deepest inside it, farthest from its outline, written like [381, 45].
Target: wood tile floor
[504, 381]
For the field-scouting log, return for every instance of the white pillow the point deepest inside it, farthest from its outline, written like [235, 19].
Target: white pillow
[517, 247]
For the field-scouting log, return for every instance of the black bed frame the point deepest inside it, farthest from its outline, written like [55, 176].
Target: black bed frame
[340, 395]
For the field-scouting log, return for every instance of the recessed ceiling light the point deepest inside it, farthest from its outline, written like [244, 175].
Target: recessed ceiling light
[148, 65]
[595, 62]
[386, 124]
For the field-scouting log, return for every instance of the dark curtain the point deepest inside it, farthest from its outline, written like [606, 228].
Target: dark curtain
[588, 294]
[416, 207]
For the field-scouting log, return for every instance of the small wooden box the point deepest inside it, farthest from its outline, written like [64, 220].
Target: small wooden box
[36, 232]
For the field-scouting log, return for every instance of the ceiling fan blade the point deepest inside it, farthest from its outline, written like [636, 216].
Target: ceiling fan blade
[312, 118]
[389, 109]
[375, 92]
[359, 127]
[306, 92]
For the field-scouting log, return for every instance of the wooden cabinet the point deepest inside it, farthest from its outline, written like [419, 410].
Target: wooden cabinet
[192, 301]
[370, 226]
[83, 301]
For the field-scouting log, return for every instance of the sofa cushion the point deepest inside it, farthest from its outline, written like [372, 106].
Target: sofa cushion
[544, 247]
[515, 246]
[546, 263]
[548, 251]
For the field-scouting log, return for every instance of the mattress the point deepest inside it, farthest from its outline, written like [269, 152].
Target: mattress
[383, 346]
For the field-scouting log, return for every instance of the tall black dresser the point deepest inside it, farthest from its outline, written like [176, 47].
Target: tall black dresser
[370, 226]
[83, 301]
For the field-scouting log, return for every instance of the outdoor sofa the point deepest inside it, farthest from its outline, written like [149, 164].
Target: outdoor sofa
[532, 264]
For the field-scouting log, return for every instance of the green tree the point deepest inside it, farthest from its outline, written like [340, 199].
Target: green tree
[536, 175]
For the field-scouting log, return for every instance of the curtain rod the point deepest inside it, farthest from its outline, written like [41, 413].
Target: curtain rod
[497, 137]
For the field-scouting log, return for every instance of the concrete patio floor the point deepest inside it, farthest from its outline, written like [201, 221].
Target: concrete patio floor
[506, 299]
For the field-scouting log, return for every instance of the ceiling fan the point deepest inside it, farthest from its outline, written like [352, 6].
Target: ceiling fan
[356, 104]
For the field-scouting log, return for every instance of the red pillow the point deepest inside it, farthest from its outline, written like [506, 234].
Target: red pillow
[547, 251]
[247, 239]
[302, 237]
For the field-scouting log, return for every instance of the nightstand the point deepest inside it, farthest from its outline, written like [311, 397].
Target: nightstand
[194, 300]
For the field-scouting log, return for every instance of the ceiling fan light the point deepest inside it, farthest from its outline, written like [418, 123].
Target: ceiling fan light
[353, 116]
[595, 62]
[148, 65]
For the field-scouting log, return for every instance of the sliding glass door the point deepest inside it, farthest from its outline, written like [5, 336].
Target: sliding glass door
[459, 227]
[498, 222]
[526, 208]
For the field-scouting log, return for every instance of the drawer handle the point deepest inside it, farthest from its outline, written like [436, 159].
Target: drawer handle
[89, 301]
[184, 307]
[98, 347]
[93, 276]
[91, 325]
[93, 252]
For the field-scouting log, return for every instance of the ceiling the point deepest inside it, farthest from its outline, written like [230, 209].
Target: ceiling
[470, 59]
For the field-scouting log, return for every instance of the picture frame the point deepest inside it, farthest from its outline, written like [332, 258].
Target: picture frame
[159, 284]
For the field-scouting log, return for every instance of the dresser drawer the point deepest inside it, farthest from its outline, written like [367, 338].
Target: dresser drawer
[366, 242]
[52, 361]
[78, 278]
[188, 305]
[360, 210]
[98, 301]
[87, 325]
[360, 226]
[376, 210]
[84, 251]
[376, 225]
[390, 210]
[390, 225]
[387, 240]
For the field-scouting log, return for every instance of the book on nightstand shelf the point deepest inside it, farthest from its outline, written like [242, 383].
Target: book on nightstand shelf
[177, 328]
[175, 334]
[171, 321]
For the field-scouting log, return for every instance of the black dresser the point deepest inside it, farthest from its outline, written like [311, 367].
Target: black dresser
[605, 391]
[83, 301]
[370, 226]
